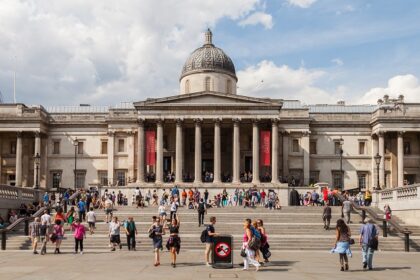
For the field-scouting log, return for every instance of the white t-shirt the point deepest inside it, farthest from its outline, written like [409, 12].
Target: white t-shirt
[174, 206]
[162, 209]
[114, 228]
[91, 216]
[136, 192]
[46, 219]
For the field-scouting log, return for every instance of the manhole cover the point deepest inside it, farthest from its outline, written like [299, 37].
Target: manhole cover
[223, 275]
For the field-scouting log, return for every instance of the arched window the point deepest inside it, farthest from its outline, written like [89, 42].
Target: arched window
[228, 86]
[207, 84]
[187, 86]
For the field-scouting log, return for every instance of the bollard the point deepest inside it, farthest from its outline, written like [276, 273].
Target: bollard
[26, 227]
[363, 216]
[407, 241]
[385, 228]
[3, 240]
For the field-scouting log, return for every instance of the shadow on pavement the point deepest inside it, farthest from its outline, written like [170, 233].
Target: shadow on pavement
[383, 269]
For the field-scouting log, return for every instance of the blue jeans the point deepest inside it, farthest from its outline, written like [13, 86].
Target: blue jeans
[367, 255]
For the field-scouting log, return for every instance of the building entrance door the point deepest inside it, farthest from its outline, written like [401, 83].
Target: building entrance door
[167, 165]
[248, 164]
[207, 165]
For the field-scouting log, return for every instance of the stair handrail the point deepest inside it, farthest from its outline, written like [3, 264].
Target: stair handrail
[376, 217]
[17, 222]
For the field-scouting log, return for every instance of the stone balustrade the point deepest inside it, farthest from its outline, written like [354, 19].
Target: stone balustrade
[11, 197]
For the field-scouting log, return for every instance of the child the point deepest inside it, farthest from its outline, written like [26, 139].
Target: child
[79, 235]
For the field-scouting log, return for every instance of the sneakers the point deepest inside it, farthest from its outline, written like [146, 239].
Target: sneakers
[81, 252]
[364, 265]
[35, 252]
[208, 264]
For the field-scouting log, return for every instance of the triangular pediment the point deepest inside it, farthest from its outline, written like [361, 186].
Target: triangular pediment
[209, 98]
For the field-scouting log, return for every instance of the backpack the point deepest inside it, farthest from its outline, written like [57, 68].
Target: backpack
[201, 207]
[203, 236]
[256, 233]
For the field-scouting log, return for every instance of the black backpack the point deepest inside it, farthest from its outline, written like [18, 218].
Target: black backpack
[203, 236]
[201, 207]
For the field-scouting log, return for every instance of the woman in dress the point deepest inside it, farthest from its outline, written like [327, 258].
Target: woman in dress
[156, 231]
[342, 243]
[249, 258]
[70, 216]
[174, 242]
[59, 234]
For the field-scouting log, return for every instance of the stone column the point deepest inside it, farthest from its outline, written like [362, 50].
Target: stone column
[374, 169]
[130, 151]
[400, 160]
[382, 164]
[217, 164]
[306, 163]
[197, 152]
[178, 152]
[111, 146]
[255, 152]
[159, 152]
[236, 151]
[19, 159]
[285, 154]
[37, 151]
[274, 151]
[140, 152]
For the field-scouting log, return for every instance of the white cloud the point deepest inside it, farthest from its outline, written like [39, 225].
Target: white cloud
[104, 52]
[258, 18]
[337, 61]
[269, 80]
[407, 85]
[301, 3]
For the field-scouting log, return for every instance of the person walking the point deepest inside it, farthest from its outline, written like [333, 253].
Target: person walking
[264, 241]
[35, 234]
[91, 218]
[206, 195]
[249, 258]
[70, 216]
[211, 233]
[131, 232]
[114, 233]
[342, 243]
[201, 209]
[174, 208]
[58, 233]
[108, 205]
[81, 205]
[368, 239]
[368, 198]
[156, 231]
[79, 235]
[346, 209]
[44, 234]
[326, 216]
[174, 242]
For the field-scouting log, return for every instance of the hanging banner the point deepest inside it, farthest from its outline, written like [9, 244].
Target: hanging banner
[265, 151]
[150, 147]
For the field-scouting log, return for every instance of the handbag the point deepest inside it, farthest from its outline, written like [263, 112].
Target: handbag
[243, 253]
[351, 242]
[373, 244]
[254, 243]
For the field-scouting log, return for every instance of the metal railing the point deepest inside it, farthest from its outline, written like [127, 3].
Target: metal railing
[11, 227]
[362, 210]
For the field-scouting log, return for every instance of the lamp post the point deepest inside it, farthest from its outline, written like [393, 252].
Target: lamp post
[75, 144]
[377, 158]
[37, 160]
[341, 141]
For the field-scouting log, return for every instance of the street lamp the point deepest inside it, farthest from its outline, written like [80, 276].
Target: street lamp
[75, 144]
[37, 160]
[341, 142]
[377, 158]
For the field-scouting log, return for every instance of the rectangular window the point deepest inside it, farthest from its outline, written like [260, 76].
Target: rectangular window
[121, 145]
[313, 177]
[80, 178]
[362, 146]
[56, 179]
[121, 179]
[337, 179]
[80, 148]
[407, 148]
[312, 148]
[362, 180]
[103, 177]
[56, 147]
[337, 148]
[295, 147]
[13, 147]
[104, 147]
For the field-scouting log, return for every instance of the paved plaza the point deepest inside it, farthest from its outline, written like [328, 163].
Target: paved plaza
[139, 265]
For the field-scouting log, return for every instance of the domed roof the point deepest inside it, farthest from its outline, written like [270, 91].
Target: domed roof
[208, 58]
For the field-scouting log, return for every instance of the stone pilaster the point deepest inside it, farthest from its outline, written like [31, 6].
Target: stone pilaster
[197, 152]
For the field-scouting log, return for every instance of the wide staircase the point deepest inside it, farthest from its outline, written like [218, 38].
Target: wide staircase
[291, 228]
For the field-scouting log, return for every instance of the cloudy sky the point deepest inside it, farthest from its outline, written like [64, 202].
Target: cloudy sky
[105, 52]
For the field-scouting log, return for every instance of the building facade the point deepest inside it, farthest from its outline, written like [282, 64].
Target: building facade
[210, 136]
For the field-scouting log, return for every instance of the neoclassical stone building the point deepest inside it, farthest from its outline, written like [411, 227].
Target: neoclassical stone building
[209, 129]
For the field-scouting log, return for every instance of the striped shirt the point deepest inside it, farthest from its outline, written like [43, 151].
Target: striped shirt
[35, 228]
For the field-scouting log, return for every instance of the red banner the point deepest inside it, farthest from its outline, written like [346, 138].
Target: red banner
[150, 147]
[265, 151]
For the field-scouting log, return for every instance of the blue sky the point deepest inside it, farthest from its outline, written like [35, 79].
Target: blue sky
[318, 51]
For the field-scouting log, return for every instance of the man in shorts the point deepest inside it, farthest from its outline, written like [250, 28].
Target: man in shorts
[114, 233]
[35, 233]
[209, 240]
[108, 209]
[91, 218]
